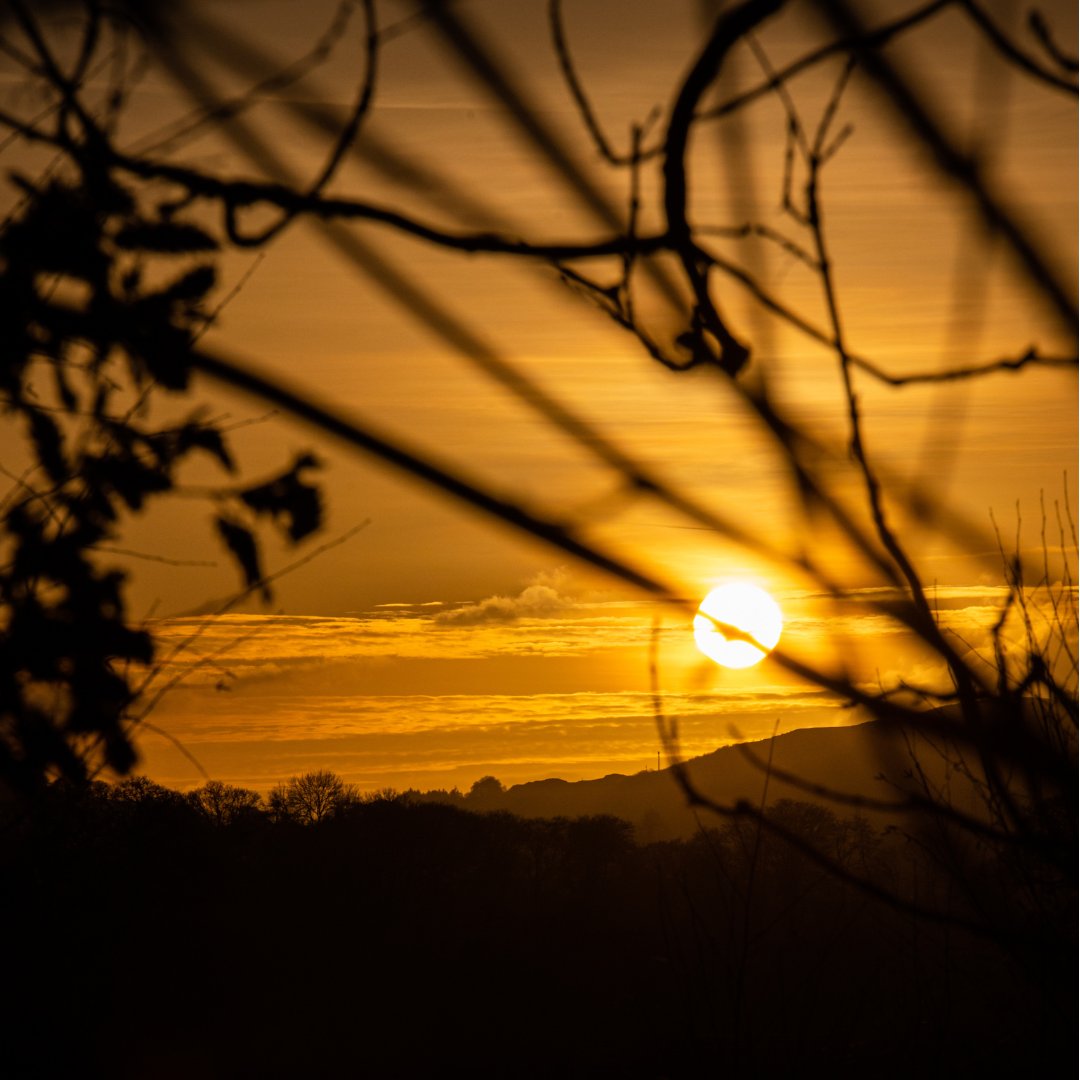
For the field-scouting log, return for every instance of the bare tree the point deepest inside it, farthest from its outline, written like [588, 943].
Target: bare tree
[311, 797]
[224, 804]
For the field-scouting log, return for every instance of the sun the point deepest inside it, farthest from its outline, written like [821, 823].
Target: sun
[744, 607]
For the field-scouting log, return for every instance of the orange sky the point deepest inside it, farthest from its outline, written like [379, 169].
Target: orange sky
[433, 647]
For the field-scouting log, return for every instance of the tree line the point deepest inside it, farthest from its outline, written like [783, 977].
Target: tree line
[222, 934]
[306, 799]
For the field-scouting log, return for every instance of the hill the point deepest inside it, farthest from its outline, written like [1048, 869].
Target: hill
[859, 760]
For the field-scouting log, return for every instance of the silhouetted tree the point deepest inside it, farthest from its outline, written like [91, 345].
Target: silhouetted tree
[486, 790]
[311, 797]
[224, 804]
[142, 791]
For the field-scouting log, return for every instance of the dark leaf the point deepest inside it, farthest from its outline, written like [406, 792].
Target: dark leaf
[205, 438]
[167, 238]
[99, 697]
[49, 445]
[242, 546]
[193, 285]
[291, 498]
[130, 282]
[107, 194]
[101, 400]
[59, 233]
[128, 476]
[63, 389]
[119, 753]
[157, 348]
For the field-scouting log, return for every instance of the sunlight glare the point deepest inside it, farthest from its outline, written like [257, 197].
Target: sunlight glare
[744, 607]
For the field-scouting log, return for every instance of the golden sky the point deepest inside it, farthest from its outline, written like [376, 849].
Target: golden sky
[432, 646]
[549, 681]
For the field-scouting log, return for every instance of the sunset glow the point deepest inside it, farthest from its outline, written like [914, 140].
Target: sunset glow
[415, 641]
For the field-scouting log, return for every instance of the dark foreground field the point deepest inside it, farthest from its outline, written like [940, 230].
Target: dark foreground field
[404, 939]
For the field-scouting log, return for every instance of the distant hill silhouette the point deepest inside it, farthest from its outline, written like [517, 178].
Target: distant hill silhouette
[860, 760]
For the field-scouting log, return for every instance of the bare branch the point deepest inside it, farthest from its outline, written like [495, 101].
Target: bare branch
[729, 28]
[906, 105]
[1012, 52]
[871, 39]
[577, 91]
[1053, 50]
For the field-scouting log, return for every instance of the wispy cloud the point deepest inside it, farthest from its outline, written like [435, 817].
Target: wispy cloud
[542, 598]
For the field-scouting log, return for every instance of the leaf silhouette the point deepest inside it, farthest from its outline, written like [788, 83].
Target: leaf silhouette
[241, 544]
[205, 438]
[59, 232]
[48, 444]
[164, 237]
[193, 285]
[289, 497]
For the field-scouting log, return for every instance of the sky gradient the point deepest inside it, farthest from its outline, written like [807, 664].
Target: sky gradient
[432, 647]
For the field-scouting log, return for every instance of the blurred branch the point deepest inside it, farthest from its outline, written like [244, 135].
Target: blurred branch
[1011, 51]
[173, 136]
[577, 91]
[728, 30]
[903, 101]
[870, 39]
[1046, 39]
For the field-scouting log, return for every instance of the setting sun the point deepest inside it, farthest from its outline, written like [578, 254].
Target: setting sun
[746, 608]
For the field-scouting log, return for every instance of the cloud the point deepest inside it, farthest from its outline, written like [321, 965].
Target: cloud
[542, 598]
